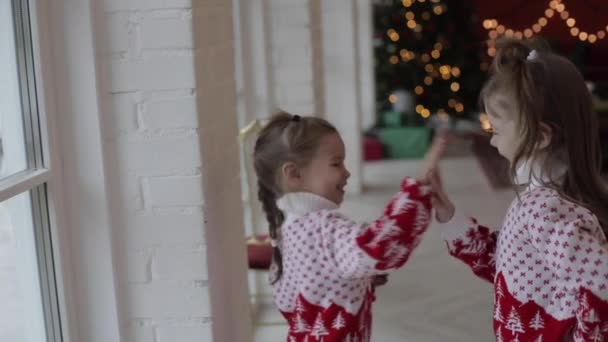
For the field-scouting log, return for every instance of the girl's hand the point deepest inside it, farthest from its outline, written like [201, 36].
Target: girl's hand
[379, 280]
[444, 209]
[432, 157]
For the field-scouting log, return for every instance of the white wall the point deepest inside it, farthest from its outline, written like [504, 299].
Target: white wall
[169, 117]
[319, 62]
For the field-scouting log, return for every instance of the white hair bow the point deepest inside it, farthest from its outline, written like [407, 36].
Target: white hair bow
[532, 55]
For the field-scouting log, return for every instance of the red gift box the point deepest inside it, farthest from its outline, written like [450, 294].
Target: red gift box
[373, 149]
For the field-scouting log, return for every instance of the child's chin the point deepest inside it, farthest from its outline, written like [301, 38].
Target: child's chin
[340, 198]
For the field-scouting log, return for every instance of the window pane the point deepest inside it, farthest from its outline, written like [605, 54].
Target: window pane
[13, 157]
[21, 311]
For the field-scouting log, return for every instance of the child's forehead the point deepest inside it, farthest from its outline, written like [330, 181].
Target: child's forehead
[332, 145]
[499, 105]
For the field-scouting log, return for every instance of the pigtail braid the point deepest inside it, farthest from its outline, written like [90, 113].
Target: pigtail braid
[275, 220]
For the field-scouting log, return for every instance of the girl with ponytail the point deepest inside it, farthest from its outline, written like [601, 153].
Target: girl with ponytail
[549, 261]
[324, 264]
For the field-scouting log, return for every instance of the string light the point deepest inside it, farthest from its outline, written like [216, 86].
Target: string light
[555, 6]
[455, 86]
[419, 90]
[393, 35]
[392, 98]
[574, 31]
[570, 22]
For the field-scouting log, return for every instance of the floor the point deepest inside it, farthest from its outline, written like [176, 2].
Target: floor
[434, 297]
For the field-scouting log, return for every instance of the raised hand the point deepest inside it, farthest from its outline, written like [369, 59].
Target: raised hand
[444, 209]
[432, 157]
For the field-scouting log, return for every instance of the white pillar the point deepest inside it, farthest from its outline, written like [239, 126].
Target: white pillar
[366, 63]
[342, 80]
[215, 78]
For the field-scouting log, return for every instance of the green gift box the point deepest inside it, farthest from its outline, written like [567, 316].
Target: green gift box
[405, 142]
[392, 118]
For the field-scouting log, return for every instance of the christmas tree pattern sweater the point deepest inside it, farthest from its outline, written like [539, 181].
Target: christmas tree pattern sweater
[325, 292]
[549, 266]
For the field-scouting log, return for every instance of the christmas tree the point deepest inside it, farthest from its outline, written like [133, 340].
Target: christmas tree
[428, 47]
[537, 322]
[300, 325]
[499, 337]
[514, 323]
[499, 291]
[497, 314]
[338, 322]
[318, 329]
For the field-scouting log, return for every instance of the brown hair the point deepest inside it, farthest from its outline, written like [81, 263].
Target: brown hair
[286, 138]
[548, 89]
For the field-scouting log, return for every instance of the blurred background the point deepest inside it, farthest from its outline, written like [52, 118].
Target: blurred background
[128, 207]
[430, 59]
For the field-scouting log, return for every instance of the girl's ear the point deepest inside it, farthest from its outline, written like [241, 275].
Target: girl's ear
[546, 134]
[290, 173]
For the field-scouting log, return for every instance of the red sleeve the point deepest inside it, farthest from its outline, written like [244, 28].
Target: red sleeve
[361, 250]
[473, 244]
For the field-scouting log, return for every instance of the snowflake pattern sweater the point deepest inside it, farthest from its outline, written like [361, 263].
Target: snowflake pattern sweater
[549, 266]
[325, 292]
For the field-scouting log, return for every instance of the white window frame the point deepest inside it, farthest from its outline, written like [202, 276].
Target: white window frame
[35, 179]
[66, 72]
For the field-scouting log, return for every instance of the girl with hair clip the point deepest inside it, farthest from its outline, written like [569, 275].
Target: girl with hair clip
[325, 264]
[549, 261]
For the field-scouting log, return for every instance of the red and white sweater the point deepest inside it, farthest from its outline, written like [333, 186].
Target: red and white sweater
[549, 266]
[325, 292]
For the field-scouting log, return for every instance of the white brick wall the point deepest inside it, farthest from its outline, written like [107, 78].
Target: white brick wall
[291, 56]
[152, 101]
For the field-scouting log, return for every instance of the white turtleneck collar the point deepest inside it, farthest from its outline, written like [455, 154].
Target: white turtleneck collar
[530, 174]
[302, 203]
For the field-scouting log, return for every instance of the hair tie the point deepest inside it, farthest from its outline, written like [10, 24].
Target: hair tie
[273, 243]
[296, 118]
[532, 55]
